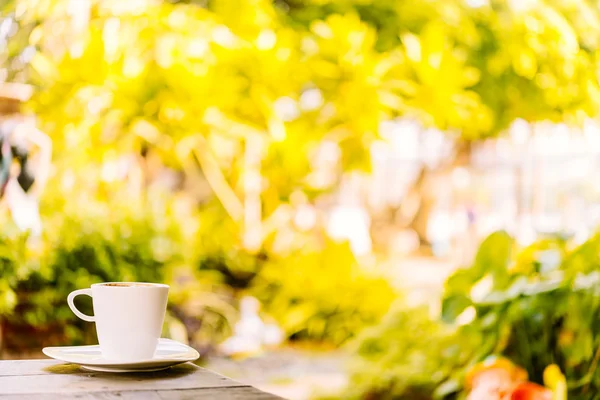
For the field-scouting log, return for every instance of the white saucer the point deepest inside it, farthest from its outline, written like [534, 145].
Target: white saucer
[168, 353]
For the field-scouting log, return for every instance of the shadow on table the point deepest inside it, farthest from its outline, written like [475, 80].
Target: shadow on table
[176, 371]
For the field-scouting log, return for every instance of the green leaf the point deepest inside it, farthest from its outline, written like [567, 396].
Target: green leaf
[494, 253]
[447, 388]
[453, 306]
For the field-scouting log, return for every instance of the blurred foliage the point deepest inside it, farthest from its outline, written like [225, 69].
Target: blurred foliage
[443, 62]
[84, 244]
[12, 269]
[477, 66]
[407, 356]
[255, 109]
[322, 293]
[537, 308]
[200, 82]
[166, 239]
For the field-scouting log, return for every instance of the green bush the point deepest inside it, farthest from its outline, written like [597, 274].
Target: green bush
[318, 292]
[405, 357]
[12, 254]
[123, 243]
[538, 307]
[218, 254]
[322, 293]
[542, 307]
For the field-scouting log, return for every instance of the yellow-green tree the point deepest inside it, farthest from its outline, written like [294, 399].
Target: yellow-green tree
[533, 60]
[249, 89]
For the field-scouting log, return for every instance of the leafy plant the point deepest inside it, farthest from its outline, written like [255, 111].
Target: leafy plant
[322, 294]
[542, 309]
[316, 290]
[537, 307]
[12, 254]
[119, 244]
[407, 356]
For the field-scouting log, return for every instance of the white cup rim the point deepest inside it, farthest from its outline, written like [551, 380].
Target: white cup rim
[136, 285]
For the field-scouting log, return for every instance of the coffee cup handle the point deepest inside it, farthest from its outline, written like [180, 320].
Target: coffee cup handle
[72, 295]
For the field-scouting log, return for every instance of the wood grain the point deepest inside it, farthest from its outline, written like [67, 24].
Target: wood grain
[28, 367]
[55, 380]
[52, 379]
[138, 395]
[106, 382]
[225, 393]
[232, 393]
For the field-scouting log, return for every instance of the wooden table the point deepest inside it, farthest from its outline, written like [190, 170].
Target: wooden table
[51, 380]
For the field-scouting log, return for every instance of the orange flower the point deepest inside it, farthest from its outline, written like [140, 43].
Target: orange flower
[494, 379]
[531, 391]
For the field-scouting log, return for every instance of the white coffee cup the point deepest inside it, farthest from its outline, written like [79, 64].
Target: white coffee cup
[128, 316]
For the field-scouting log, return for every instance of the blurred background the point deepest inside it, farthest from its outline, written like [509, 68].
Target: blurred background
[369, 199]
